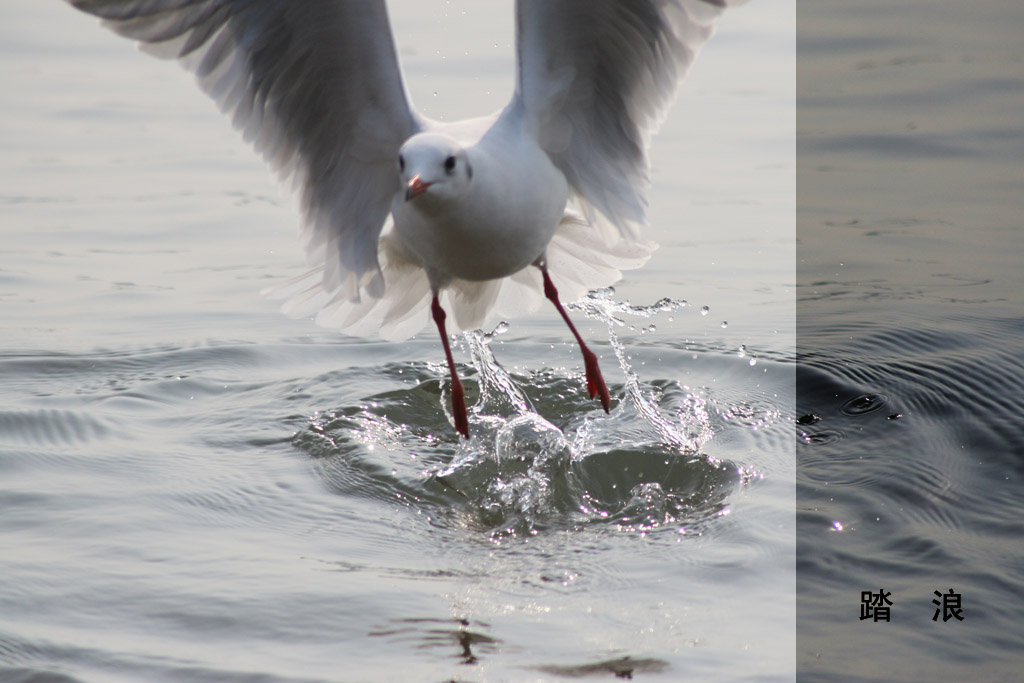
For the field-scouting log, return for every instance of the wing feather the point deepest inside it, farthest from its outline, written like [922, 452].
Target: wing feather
[316, 88]
[595, 78]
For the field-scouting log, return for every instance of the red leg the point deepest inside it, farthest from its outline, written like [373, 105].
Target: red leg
[458, 395]
[595, 382]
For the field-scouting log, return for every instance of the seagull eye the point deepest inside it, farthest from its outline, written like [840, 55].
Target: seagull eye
[449, 164]
[401, 162]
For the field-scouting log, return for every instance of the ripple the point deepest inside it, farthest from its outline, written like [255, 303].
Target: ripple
[820, 438]
[913, 466]
[862, 405]
[463, 639]
[52, 427]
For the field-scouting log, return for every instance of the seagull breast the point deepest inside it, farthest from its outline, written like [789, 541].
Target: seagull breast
[502, 220]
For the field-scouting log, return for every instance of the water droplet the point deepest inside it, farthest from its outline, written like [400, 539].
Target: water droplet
[652, 327]
[837, 525]
[704, 310]
[725, 323]
[667, 305]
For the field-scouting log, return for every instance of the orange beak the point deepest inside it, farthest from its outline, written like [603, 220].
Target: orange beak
[416, 187]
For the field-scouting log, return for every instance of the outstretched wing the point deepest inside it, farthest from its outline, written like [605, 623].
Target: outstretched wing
[316, 88]
[595, 78]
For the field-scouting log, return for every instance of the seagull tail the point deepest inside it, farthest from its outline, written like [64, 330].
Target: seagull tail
[395, 311]
[579, 258]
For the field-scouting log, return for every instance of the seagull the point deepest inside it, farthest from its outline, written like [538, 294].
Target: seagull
[401, 211]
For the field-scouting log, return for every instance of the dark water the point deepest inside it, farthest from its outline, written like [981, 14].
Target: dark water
[910, 380]
[196, 488]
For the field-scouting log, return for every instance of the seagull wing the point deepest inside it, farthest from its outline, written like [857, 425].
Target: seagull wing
[594, 80]
[316, 87]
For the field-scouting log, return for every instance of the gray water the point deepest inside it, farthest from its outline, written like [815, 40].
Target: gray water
[196, 488]
[910, 338]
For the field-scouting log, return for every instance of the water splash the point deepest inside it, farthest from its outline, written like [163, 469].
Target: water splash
[514, 474]
[637, 469]
[691, 424]
[499, 393]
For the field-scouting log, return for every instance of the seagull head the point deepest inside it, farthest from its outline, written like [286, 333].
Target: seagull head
[434, 165]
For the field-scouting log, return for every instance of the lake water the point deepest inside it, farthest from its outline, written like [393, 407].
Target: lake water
[910, 310]
[195, 488]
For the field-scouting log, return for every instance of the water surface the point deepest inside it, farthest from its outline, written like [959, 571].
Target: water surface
[196, 488]
[910, 140]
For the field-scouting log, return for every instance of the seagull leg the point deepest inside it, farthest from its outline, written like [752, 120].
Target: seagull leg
[595, 381]
[458, 395]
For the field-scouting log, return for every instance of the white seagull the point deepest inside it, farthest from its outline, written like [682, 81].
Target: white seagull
[400, 210]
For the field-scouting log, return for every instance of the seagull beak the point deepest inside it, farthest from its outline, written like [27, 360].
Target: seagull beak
[415, 187]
